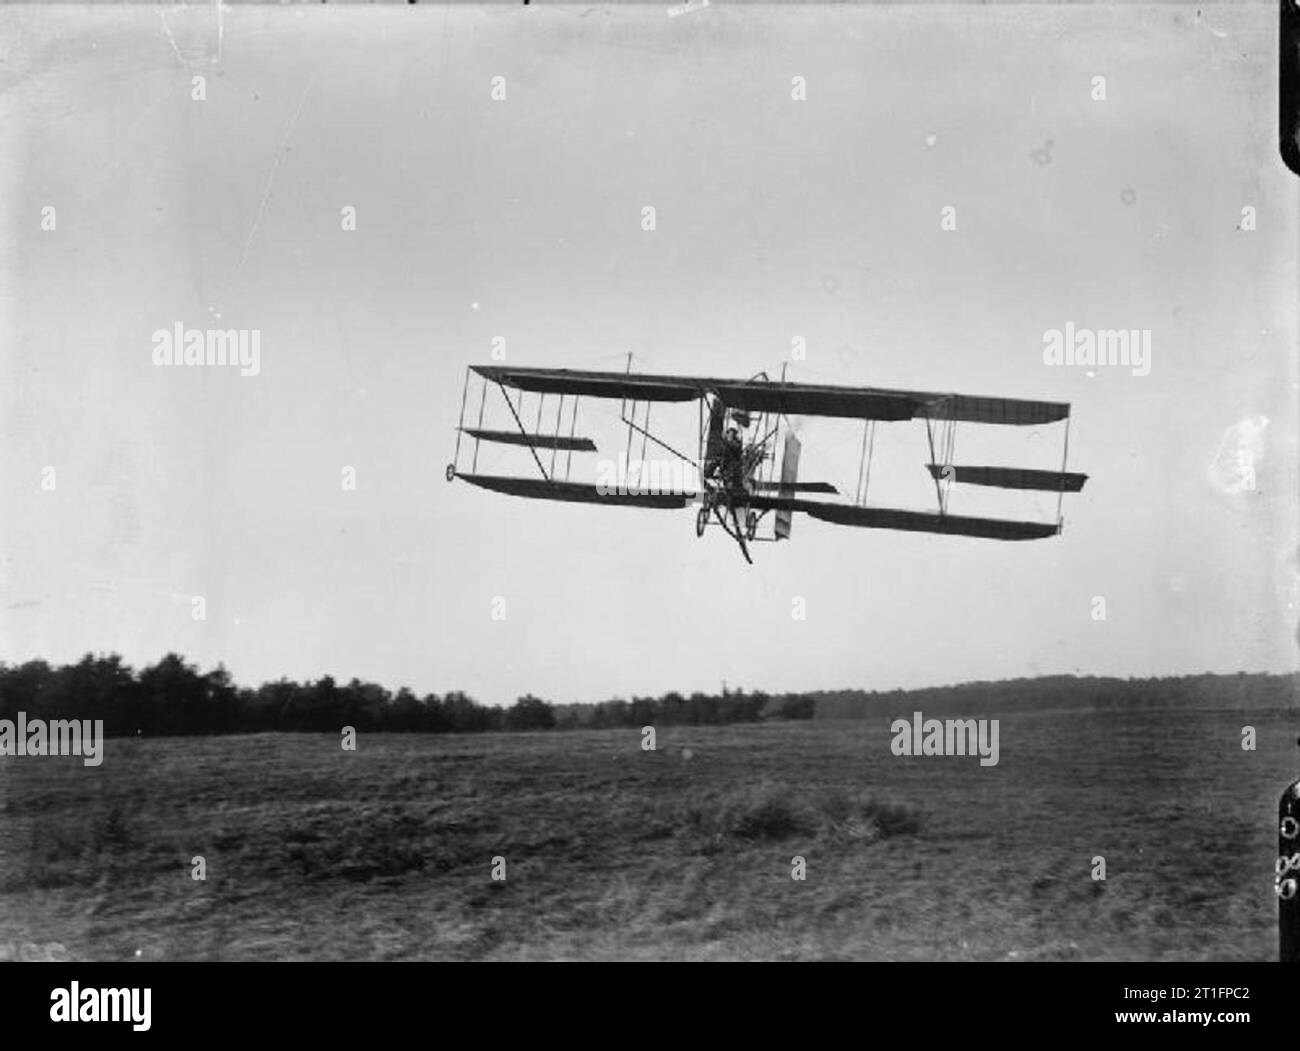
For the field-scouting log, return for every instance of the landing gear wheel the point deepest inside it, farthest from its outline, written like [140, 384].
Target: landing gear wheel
[451, 472]
[751, 525]
[701, 520]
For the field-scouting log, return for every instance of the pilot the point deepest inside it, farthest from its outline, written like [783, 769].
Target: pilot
[733, 450]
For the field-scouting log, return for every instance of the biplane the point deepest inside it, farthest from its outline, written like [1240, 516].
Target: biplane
[738, 479]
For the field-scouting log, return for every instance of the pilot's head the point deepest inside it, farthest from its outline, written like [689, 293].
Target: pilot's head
[733, 435]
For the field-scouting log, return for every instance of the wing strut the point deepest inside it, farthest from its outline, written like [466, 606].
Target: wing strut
[461, 428]
[519, 423]
[573, 425]
[868, 450]
[647, 436]
[1065, 455]
[949, 453]
[481, 403]
[947, 427]
[559, 412]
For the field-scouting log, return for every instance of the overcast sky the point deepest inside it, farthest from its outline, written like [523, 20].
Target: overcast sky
[775, 219]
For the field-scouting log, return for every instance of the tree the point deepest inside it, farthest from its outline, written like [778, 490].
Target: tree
[530, 713]
[172, 695]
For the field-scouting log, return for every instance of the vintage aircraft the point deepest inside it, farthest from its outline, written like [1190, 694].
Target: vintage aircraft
[740, 426]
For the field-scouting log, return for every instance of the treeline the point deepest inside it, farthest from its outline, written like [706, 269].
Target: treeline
[1253, 692]
[172, 697]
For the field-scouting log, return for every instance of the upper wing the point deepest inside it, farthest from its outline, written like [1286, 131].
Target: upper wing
[592, 384]
[804, 399]
[966, 408]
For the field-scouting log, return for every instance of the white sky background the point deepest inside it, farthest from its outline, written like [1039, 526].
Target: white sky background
[776, 219]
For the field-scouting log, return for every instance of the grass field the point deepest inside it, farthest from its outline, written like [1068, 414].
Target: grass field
[682, 853]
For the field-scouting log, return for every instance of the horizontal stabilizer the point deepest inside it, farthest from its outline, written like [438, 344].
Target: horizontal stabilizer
[794, 487]
[576, 492]
[1013, 478]
[538, 441]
